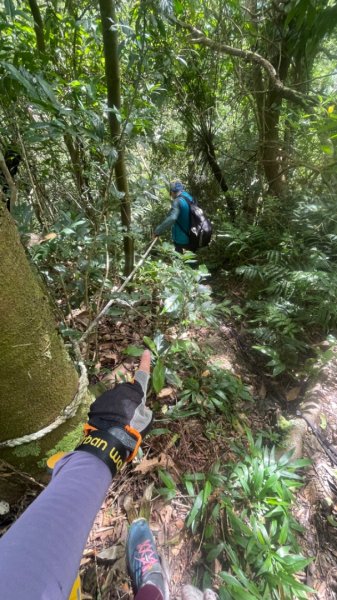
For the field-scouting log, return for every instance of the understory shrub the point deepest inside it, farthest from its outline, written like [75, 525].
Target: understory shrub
[290, 279]
[242, 513]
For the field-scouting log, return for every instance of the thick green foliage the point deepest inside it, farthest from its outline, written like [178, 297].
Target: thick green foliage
[242, 511]
[76, 261]
[289, 274]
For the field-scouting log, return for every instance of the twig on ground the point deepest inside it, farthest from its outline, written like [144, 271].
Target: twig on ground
[118, 291]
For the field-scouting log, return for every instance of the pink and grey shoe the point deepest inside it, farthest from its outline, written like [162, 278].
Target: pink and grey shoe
[144, 564]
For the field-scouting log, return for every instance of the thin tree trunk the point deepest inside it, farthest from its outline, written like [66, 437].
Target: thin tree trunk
[271, 147]
[110, 41]
[219, 176]
[38, 26]
[77, 158]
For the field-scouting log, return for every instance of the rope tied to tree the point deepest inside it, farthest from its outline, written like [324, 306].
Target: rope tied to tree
[69, 411]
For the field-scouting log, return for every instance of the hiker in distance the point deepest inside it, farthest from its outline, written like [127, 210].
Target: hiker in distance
[178, 218]
[191, 229]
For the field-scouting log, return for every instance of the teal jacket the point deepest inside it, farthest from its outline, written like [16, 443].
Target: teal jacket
[179, 219]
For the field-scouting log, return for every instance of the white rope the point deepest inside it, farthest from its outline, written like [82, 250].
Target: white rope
[70, 410]
[66, 413]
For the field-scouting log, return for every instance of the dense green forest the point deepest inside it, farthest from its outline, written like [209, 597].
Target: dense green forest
[101, 106]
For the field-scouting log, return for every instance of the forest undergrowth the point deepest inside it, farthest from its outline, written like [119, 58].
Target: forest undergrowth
[228, 506]
[218, 495]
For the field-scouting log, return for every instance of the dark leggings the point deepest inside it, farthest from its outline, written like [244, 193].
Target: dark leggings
[181, 247]
[149, 592]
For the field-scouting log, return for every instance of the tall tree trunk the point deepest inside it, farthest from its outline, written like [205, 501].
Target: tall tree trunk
[110, 41]
[268, 104]
[271, 146]
[38, 26]
[37, 377]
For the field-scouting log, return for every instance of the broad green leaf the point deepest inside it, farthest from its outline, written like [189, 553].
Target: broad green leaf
[207, 492]
[158, 376]
[190, 488]
[158, 431]
[195, 509]
[150, 344]
[214, 553]
[284, 532]
[167, 479]
[133, 351]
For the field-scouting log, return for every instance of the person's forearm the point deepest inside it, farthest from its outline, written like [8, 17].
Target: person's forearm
[169, 221]
[45, 545]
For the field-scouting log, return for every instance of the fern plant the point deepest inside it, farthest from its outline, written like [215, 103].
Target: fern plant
[290, 276]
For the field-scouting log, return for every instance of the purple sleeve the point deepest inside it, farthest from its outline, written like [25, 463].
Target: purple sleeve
[41, 552]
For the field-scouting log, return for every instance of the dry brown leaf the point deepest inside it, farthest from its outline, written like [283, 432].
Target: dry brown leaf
[130, 509]
[49, 236]
[76, 312]
[292, 394]
[217, 567]
[165, 392]
[166, 514]
[85, 561]
[179, 524]
[110, 355]
[149, 464]
[34, 239]
[175, 550]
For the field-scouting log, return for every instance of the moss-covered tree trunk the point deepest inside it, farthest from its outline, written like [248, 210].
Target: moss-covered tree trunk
[37, 378]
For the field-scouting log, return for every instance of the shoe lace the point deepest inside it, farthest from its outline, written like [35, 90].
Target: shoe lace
[147, 556]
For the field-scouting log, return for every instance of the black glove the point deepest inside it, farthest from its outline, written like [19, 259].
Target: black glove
[119, 419]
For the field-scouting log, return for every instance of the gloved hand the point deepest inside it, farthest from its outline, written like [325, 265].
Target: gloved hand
[119, 419]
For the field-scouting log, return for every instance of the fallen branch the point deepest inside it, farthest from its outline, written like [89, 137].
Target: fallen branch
[118, 291]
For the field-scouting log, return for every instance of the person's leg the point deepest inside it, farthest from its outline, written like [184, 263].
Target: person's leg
[179, 248]
[144, 564]
[149, 592]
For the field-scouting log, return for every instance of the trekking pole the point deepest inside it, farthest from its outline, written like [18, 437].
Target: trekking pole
[118, 291]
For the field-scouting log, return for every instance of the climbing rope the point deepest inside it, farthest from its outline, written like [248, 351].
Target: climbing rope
[66, 413]
[118, 291]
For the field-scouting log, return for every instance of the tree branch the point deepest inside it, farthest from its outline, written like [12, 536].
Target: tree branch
[9, 179]
[253, 57]
[120, 289]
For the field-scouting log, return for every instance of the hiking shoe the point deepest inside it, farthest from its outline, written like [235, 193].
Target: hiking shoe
[142, 559]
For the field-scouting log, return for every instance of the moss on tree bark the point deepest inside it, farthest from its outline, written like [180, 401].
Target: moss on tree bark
[37, 376]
